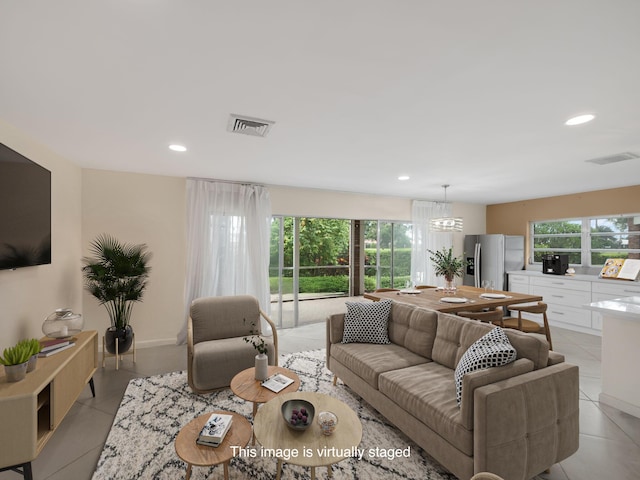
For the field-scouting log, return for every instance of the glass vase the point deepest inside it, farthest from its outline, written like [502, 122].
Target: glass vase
[450, 286]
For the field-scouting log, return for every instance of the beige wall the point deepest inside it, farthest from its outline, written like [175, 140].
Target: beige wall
[147, 209]
[513, 218]
[28, 295]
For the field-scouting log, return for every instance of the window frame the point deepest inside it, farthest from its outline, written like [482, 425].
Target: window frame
[585, 239]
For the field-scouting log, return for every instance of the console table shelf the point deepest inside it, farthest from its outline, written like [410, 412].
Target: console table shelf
[32, 409]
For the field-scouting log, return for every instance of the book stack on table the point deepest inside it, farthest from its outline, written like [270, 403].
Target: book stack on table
[214, 431]
[54, 345]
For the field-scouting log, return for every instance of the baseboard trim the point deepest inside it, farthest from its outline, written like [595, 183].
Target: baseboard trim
[621, 405]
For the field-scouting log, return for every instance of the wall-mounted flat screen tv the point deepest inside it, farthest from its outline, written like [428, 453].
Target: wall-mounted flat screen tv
[25, 211]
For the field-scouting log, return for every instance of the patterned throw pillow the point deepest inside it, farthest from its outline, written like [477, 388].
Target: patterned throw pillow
[491, 350]
[367, 322]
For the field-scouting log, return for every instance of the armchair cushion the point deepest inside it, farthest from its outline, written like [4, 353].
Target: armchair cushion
[216, 362]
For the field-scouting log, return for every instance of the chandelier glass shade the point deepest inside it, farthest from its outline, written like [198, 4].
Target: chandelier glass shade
[446, 224]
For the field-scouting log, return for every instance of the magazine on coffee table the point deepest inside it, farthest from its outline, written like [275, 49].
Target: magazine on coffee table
[277, 382]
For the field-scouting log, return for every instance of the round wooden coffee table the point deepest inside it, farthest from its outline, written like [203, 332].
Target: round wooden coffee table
[245, 386]
[272, 432]
[189, 451]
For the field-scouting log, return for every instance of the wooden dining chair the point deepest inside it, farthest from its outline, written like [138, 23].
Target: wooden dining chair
[422, 287]
[530, 326]
[386, 290]
[488, 316]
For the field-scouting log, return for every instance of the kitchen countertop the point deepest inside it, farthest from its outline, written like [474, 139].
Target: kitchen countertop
[577, 276]
[626, 307]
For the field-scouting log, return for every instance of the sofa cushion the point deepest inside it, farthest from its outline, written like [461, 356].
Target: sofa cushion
[367, 322]
[491, 350]
[413, 328]
[428, 392]
[456, 334]
[368, 360]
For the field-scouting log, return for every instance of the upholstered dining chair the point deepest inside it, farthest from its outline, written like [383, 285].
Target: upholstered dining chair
[216, 350]
[489, 316]
[530, 326]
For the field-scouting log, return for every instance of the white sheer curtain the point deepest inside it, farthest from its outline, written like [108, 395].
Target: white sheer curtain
[423, 239]
[228, 230]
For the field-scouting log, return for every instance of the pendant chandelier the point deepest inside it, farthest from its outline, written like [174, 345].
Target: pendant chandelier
[445, 224]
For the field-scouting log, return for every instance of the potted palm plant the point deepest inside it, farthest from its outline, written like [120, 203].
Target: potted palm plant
[117, 276]
[448, 266]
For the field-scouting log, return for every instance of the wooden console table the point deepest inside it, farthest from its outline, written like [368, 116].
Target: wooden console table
[32, 409]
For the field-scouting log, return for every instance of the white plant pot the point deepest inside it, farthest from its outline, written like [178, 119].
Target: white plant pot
[262, 366]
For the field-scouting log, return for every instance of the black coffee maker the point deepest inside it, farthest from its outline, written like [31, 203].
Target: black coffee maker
[555, 264]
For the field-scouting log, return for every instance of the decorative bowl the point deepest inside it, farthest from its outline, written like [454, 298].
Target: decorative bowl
[298, 414]
[327, 422]
[62, 323]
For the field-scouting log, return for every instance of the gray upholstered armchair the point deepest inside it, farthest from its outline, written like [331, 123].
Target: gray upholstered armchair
[216, 351]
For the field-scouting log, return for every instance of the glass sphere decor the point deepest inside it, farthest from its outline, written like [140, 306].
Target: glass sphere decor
[62, 323]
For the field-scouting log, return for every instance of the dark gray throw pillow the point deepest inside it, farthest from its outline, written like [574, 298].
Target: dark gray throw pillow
[491, 350]
[367, 322]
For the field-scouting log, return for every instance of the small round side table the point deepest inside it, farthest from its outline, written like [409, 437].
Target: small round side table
[189, 451]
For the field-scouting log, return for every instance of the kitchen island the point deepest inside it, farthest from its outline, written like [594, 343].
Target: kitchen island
[620, 353]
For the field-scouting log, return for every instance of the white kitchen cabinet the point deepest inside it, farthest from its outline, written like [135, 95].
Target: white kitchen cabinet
[566, 296]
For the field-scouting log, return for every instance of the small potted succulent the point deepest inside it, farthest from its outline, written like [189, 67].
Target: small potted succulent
[15, 360]
[262, 360]
[34, 347]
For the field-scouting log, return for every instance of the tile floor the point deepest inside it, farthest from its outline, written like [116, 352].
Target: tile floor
[609, 439]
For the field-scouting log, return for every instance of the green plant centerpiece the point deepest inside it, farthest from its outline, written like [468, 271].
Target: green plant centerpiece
[448, 266]
[117, 275]
[15, 360]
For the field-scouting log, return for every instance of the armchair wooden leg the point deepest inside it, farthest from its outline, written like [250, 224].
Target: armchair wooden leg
[335, 380]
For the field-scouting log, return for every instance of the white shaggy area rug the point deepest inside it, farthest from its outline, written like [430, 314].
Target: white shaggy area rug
[140, 444]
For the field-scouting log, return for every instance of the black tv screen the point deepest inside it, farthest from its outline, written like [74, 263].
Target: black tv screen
[25, 211]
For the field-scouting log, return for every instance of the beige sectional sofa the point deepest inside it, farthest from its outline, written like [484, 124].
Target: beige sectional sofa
[515, 420]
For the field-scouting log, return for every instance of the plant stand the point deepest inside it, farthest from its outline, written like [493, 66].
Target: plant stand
[118, 355]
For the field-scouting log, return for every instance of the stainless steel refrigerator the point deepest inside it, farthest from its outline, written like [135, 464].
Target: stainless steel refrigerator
[489, 257]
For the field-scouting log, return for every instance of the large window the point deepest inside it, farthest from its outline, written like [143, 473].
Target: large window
[587, 241]
[387, 254]
[310, 262]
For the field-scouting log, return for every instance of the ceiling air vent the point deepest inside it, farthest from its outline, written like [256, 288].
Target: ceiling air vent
[618, 157]
[249, 125]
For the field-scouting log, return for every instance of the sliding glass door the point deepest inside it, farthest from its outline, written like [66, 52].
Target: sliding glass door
[309, 262]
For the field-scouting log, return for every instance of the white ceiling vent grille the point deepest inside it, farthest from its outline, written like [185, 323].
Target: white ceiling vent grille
[618, 157]
[249, 125]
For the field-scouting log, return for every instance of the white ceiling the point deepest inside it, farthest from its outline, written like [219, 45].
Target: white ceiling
[468, 93]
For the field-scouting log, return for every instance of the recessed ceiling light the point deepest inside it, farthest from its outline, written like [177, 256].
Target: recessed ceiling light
[403, 177]
[580, 119]
[177, 148]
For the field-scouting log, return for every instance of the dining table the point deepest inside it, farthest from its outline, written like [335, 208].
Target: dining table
[465, 298]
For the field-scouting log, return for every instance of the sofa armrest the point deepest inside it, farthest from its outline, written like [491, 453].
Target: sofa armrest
[555, 358]
[525, 424]
[335, 330]
[487, 376]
